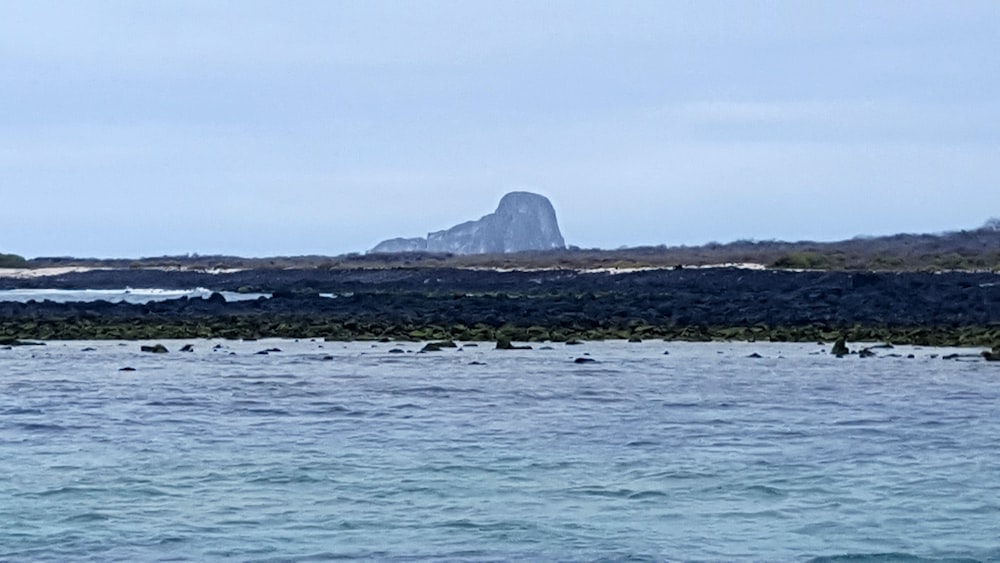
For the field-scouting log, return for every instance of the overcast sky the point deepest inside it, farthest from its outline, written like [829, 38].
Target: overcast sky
[283, 128]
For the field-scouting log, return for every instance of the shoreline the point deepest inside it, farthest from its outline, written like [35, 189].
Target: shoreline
[577, 352]
[737, 304]
[254, 328]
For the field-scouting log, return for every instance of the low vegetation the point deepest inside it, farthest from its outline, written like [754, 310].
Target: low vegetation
[12, 261]
[977, 249]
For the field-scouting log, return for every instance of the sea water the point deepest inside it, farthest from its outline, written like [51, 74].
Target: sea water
[321, 450]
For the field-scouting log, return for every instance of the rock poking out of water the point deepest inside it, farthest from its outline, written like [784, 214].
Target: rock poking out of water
[840, 348]
[992, 355]
[155, 349]
[522, 222]
[439, 345]
[960, 357]
[585, 361]
[866, 353]
[755, 355]
[505, 344]
[187, 348]
[126, 368]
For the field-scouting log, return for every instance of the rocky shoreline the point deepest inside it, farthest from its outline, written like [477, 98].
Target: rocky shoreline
[960, 309]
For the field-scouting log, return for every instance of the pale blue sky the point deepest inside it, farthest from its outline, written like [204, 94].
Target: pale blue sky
[262, 128]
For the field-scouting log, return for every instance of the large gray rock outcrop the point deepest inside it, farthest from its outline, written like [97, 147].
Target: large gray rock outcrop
[523, 221]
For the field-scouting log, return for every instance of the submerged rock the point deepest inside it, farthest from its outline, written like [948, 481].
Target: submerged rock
[15, 342]
[960, 357]
[523, 221]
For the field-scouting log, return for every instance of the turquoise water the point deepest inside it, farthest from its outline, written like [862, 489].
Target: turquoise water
[332, 450]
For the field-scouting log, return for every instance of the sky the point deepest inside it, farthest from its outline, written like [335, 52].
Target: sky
[262, 128]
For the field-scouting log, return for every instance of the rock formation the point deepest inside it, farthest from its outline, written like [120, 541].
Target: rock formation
[840, 348]
[992, 356]
[523, 221]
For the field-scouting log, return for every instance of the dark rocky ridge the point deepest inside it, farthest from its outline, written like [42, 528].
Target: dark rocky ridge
[522, 222]
[924, 308]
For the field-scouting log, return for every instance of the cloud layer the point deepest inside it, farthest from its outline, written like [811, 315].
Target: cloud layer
[259, 128]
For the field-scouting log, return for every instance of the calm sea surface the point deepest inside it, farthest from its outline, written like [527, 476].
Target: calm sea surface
[330, 450]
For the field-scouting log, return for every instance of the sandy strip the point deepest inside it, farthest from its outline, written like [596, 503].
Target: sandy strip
[739, 265]
[29, 273]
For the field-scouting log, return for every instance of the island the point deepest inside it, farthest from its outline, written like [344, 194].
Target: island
[508, 277]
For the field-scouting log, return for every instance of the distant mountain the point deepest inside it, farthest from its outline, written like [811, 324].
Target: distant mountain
[522, 222]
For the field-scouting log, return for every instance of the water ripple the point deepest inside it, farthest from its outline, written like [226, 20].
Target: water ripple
[699, 455]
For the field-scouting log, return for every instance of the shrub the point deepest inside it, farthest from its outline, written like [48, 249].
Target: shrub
[951, 261]
[803, 261]
[12, 261]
